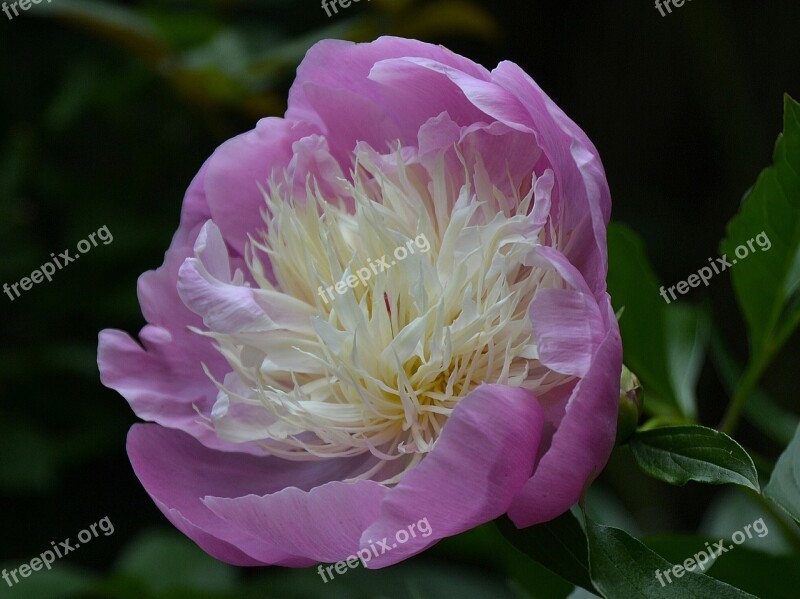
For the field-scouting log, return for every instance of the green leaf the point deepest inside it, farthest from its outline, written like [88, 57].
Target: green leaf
[678, 454]
[688, 333]
[784, 484]
[634, 287]
[665, 345]
[580, 593]
[770, 576]
[621, 567]
[767, 279]
[559, 545]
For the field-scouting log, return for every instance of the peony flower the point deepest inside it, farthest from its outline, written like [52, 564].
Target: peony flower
[387, 307]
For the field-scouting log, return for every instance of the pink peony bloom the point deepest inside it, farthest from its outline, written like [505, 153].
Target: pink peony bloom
[311, 388]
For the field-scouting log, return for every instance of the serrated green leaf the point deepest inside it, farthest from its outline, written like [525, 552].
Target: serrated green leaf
[679, 454]
[559, 545]
[621, 567]
[784, 484]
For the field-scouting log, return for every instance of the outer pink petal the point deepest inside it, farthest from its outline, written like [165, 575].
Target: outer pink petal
[582, 205]
[583, 441]
[324, 524]
[216, 548]
[239, 165]
[178, 472]
[334, 91]
[163, 379]
[483, 457]
[337, 64]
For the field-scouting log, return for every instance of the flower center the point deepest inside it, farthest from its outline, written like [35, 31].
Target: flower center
[414, 292]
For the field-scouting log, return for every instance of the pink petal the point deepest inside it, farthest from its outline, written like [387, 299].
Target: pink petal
[568, 329]
[163, 379]
[582, 202]
[508, 155]
[178, 472]
[349, 118]
[481, 460]
[236, 169]
[583, 441]
[333, 90]
[323, 524]
[206, 287]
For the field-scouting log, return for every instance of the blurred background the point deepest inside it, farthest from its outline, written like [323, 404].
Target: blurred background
[108, 110]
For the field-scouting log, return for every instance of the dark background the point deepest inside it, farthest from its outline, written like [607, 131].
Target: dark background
[95, 130]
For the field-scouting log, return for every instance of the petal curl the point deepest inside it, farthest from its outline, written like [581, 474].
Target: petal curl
[481, 460]
[583, 441]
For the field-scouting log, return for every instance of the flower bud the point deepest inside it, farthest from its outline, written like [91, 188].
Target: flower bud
[631, 401]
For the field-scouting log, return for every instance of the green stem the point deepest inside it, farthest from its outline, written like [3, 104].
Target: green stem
[748, 383]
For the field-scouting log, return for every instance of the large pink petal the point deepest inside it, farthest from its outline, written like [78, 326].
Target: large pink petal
[178, 472]
[481, 460]
[323, 524]
[338, 64]
[334, 91]
[583, 441]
